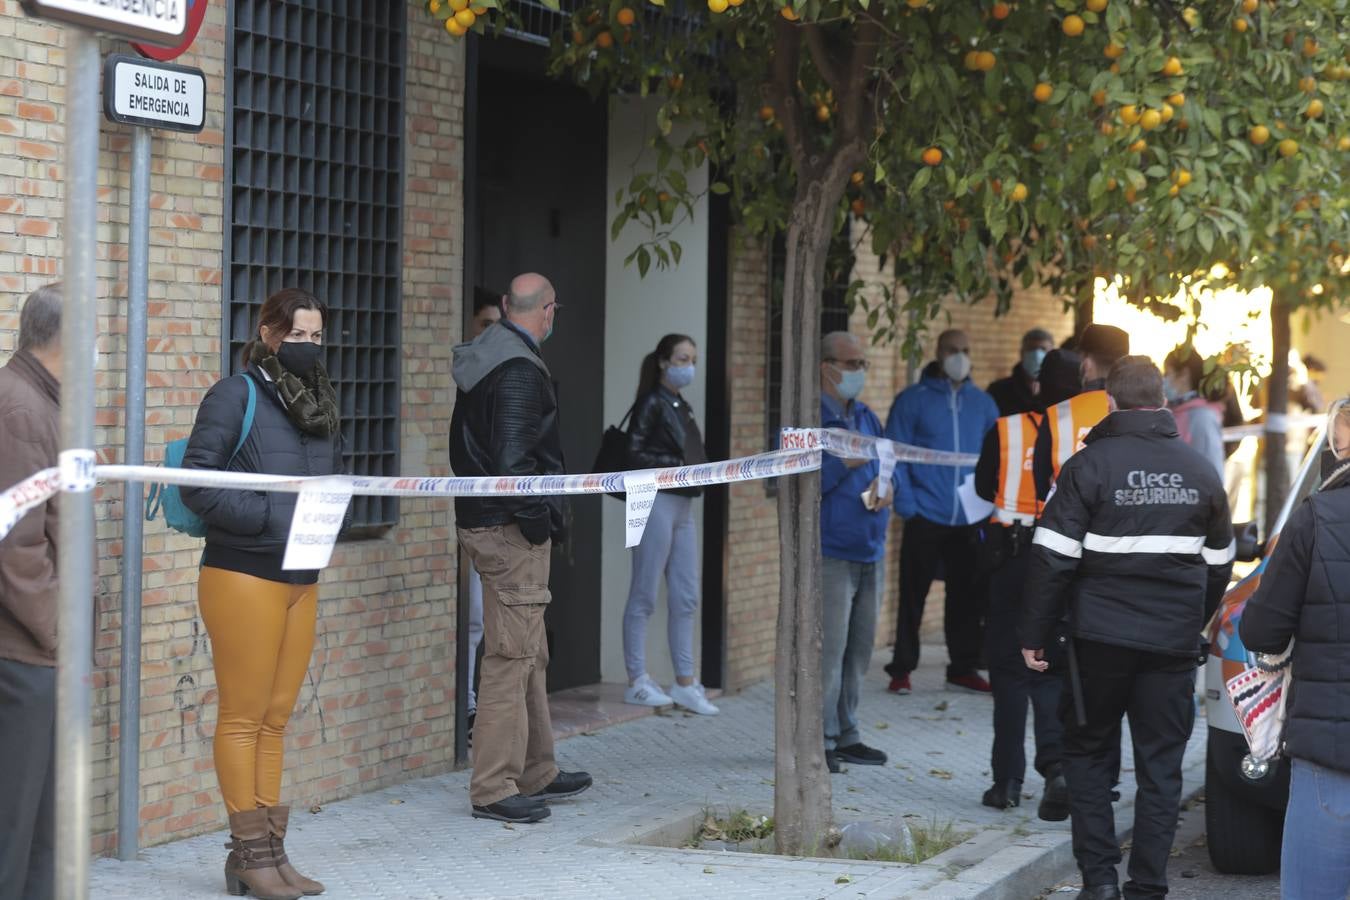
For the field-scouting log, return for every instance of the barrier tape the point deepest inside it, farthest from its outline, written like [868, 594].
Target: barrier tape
[851, 445]
[1277, 424]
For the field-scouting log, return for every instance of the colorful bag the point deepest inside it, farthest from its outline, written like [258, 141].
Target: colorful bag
[166, 496]
[1260, 695]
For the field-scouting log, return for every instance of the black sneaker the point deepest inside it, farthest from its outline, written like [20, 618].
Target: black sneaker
[1055, 799]
[832, 762]
[861, 755]
[516, 809]
[1004, 795]
[567, 784]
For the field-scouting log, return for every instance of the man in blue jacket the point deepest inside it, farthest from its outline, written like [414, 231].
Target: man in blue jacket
[853, 520]
[944, 411]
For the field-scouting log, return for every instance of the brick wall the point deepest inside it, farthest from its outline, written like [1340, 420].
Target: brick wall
[377, 704]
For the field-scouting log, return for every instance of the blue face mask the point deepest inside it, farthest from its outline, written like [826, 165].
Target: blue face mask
[1031, 362]
[1170, 392]
[680, 376]
[851, 383]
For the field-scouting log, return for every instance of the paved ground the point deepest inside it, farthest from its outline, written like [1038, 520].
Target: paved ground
[418, 841]
[1190, 875]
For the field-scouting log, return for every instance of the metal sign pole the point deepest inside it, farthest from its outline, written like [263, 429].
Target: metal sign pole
[76, 549]
[129, 711]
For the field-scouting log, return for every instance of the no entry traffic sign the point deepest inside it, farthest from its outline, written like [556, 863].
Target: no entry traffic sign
[155, 94]
[155, 21]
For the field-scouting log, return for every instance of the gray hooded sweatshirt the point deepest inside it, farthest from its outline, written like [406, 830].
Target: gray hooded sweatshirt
[476, 359]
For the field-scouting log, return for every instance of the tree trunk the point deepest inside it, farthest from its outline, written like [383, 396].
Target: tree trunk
[1277, 411]
[802, 803]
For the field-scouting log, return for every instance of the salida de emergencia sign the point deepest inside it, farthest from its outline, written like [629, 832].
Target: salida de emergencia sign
[154, 21]
[155, 94]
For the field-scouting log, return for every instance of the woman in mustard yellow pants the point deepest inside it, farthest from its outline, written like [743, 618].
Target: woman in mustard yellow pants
[260, 618]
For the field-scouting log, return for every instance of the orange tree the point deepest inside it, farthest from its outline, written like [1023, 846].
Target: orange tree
[988, 144]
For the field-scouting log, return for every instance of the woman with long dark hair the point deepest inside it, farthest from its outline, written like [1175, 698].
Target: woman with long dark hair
[664, 434]
[261, 618]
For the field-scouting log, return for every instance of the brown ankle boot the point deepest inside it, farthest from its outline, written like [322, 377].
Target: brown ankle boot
[277, 818]
[251, 866]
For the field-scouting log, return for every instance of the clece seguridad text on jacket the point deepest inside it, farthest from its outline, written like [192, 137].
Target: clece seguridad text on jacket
[848, 530]
[1305, 595]
[506, 423]
[1135, 541]
[937, 415]
[246, 531]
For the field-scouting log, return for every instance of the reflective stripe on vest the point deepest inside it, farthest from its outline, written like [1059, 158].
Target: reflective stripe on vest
[1070, 423]
[1015, 501]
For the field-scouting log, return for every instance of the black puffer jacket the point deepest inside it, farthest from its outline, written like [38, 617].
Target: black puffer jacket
[1135, 538]
[1305, 595]
[664, 433]
[247, 530]
[506, 423]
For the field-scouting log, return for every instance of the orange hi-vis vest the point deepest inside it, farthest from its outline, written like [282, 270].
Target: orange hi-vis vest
[1069, 423]
[1015, 502]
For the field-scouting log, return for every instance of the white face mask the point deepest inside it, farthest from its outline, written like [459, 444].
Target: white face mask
[957, 367]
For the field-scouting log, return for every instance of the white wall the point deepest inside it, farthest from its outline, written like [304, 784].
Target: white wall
[638, 311]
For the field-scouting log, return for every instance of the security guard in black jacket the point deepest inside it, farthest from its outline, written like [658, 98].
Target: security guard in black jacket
[1137, 543]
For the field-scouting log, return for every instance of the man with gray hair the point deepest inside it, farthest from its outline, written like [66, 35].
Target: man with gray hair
[506, 423]
[30, 414]
[853, 518]
[1016, 394]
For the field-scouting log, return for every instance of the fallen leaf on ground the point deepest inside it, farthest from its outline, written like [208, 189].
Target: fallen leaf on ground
[708, 870]
[843, 879]
[941, 707]
[395, 802]
[940, 773]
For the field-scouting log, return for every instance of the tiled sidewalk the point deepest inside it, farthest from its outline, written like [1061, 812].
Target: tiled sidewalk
[418, 841]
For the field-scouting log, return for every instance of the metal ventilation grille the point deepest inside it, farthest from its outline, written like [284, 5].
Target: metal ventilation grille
[316, 199]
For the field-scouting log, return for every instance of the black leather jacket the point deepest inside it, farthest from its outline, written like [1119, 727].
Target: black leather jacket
[658, 437]
[506, 423]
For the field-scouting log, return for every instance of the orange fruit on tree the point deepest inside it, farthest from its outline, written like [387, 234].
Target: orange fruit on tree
[1183, 124]
[1018, 193]
[434, 6]
[1107, 129]
[1001, 11]
[1073, 25]
[1114, 68]
[1096, 5]
[932, 156]
[1167, 112]
[452, 25]
[1308, 84]
[1314, 110]
[916, 4]
[985, 61]
[1287, 147]
[1250, 6]
[1309, 47]
[1111, 184]
[1259, 135]
[1113, 51]
[766, 113]
[1099, 98]
[822, 113]
[457, 5]
[1343, 144]
[1177, 99]
[717, 7]
[1089, 241]
[1150, 119]
[1240, 25]
[465, 17]
[972, 60]
[1138, 146]
[1181, 177]
[1129, 114]
[1131, 194]
[789, 13]
[1172, 68]
[737, 2]
[625, 17]
[1173, 191]
[1043, 92]
[856, 178]
[578, 38]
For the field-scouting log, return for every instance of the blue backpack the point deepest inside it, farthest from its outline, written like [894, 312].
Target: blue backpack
[166, 496]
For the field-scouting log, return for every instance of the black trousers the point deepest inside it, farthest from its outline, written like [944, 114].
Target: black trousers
[1155, 693]
[27, 781]
[926, 545]
[1015, 686]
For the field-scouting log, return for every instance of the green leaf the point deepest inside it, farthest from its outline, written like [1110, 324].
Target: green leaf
[921, 179]
[676, 251]
[644, 261]
[552, 4]
[617, 227]
[1205, 234]
[1187, 220]
[719, 188]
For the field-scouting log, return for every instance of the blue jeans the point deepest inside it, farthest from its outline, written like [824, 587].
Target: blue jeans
[849, 619]
[669, 548]
[1315, 862]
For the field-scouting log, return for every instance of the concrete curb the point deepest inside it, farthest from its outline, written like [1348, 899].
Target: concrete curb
[1031, 865]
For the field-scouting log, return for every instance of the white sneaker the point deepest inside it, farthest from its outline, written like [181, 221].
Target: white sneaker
[646, 692]
[693, 699]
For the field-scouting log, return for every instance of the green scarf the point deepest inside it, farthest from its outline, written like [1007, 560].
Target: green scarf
[310, 402]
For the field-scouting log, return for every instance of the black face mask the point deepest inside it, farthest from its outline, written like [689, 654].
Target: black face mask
[300, 357]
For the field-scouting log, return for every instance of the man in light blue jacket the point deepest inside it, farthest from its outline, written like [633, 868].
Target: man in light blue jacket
[944, 411]
[853, 520]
